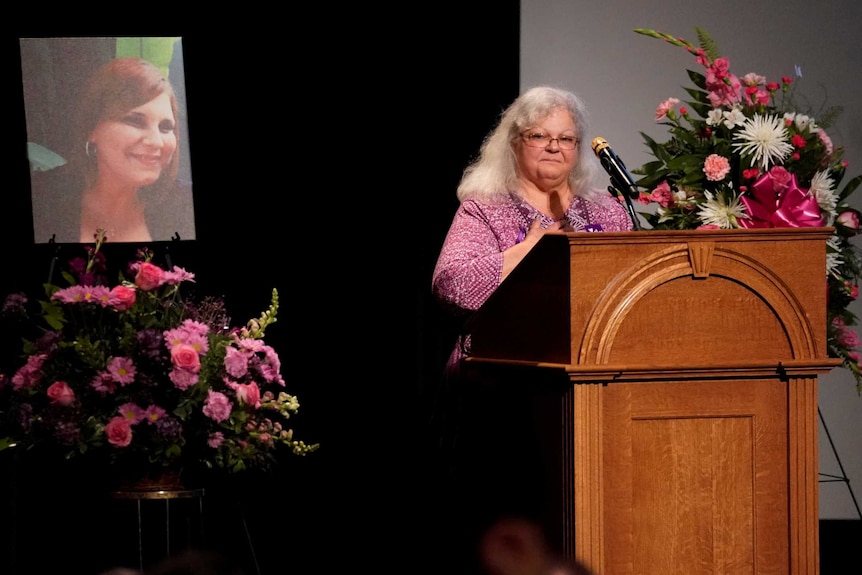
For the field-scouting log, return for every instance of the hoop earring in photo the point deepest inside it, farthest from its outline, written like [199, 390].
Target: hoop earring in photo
[90, 149]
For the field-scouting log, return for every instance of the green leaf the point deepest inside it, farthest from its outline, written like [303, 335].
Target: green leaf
[850, 188]
[697, 79]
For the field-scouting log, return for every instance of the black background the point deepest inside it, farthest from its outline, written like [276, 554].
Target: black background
[326, 148]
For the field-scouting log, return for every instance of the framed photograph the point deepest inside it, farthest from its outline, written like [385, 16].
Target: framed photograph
[107, 139]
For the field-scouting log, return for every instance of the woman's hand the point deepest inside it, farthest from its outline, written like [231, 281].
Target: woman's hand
[513, 256]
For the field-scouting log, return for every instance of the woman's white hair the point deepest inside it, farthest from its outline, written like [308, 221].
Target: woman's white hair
[494, 174]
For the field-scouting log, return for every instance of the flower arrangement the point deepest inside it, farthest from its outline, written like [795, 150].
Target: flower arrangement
[138, 377]
[742, 154]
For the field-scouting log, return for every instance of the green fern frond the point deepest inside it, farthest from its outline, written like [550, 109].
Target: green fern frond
[707, 43]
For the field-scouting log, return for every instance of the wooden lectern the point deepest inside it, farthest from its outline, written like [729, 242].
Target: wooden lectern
[678, 372]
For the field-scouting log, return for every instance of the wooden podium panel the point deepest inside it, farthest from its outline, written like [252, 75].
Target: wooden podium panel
[696, 480]
[682, 370]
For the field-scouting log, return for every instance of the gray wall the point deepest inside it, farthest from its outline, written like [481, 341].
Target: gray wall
[590, 48]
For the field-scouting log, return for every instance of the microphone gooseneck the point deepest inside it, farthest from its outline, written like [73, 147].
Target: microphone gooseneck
[621, 180]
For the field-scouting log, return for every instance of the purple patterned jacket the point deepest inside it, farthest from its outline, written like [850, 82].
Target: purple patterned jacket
[470, 264]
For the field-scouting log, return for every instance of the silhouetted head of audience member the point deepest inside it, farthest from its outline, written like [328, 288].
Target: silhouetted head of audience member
[518, 546]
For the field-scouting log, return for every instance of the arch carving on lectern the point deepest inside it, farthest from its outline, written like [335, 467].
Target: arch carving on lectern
[701, 262]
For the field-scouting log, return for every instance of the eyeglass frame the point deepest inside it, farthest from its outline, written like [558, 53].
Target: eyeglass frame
[529, 143]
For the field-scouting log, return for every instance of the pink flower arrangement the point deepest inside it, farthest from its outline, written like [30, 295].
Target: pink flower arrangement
[742, 155]
[134, 375]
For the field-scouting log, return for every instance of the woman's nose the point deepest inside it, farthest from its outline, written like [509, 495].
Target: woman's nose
[153, 136]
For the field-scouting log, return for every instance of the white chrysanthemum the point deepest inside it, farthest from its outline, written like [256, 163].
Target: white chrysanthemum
[823, 190]
[717, 211]
[833, 256]
[734, 118]
[765, 139]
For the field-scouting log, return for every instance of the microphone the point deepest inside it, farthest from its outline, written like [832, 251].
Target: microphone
[620, 176]
[621, 180]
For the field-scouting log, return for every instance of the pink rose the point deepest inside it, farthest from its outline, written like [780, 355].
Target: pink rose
[60, 393]
[149, 277]
[849, 219]
[185, 356]
[122, 297]
[119, 431]
[780, 178]
[248, 394]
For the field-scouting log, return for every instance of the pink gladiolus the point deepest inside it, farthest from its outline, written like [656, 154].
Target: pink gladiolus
[826, 141]
[662, 195]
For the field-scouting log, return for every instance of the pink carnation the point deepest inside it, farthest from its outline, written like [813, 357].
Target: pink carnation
[183, 378]
[665, 107]
[217, 406]
[235, 362]
[716, 167]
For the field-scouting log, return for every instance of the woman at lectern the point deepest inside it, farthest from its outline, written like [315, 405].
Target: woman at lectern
[535, 174]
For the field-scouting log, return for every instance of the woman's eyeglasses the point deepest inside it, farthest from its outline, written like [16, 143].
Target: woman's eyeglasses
[542, 140]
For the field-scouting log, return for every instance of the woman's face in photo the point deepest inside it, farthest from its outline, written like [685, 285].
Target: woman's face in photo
[134, 149]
